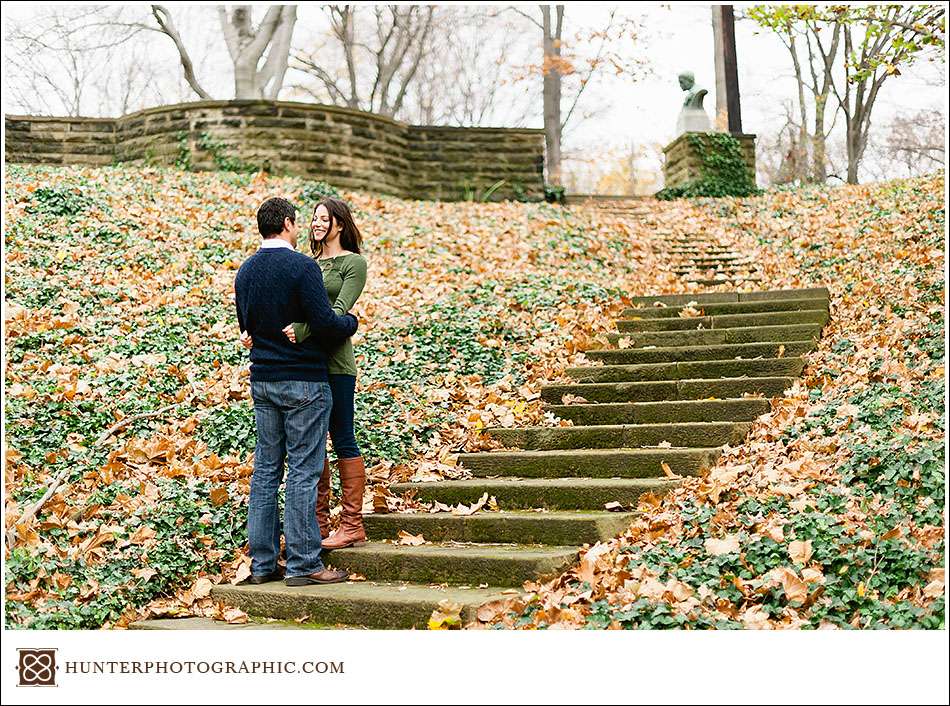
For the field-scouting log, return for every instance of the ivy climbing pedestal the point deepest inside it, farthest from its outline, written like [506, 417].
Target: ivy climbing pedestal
[709, 164]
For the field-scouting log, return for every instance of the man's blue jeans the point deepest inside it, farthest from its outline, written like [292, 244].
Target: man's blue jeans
[292, 418]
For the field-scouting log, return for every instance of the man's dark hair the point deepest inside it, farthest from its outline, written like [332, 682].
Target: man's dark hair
[271, 215]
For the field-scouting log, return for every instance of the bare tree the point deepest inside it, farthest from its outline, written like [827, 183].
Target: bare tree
[379, 51]
[55, 60]
[568, 68]
[885, 38]
[851, 51]
[911, 144]
[247, 46]
[465, 76]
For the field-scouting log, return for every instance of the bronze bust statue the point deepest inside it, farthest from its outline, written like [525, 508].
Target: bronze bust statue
[692, 117]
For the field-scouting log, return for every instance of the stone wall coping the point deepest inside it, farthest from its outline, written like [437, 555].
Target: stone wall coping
[738, 135]
[280, 104]
[58, 119]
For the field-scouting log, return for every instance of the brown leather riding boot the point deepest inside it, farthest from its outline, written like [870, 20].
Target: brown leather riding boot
[352, 483]
[323, 501]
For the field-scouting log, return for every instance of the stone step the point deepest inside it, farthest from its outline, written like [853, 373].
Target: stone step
[607, 436]
[694, 258]
[727, 308]
[760, 367]
[740, 410]
[710, 272]
[709, 337]
[550, 493]
[196, 623]
[524, 526]
[721, 297]
[724, 263]
[475, 564]
[706, 267]
[379, 605]
[709, 278]
[737, 351]
[690, 249]
[668, 390]
[581, 462]
[717, 281]
[723, 321]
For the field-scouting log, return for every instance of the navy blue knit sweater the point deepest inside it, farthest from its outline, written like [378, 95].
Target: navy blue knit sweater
[273, 288]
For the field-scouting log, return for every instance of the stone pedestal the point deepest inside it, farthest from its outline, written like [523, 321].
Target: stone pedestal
[682, 163]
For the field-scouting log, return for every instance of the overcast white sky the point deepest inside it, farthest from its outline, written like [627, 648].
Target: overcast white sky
[675, 37]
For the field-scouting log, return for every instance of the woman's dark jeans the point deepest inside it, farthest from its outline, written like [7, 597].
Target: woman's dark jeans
[343, 389]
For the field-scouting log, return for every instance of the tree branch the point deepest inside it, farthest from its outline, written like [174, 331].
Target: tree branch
[167, 25]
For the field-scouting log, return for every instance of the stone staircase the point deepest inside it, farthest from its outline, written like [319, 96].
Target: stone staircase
[709, 263]
[622, 206]
[670, 392]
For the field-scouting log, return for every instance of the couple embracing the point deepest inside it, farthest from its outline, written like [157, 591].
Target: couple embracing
[293, 313]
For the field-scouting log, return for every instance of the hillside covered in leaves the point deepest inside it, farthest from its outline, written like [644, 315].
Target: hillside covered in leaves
[124, 379]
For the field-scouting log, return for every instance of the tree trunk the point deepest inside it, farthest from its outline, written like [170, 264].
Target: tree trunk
[247, 45]
[819, 148]
[552, 90]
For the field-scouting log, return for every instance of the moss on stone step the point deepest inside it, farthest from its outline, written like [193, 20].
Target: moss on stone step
[661, 354]
[685, 435]
[667, 390]
[774, 318]
[380, 605]
[749, 334]
[525, 526]
[748, 307]
[788, 367]
[550, 493]
[494, 564]
[719, 297]
[589, 462]
[663, 412]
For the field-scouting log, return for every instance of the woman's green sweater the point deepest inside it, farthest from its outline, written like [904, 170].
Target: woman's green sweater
[344, 277]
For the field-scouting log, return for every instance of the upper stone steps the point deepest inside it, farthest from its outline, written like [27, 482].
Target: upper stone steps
[727, 257]
[720, 271]
[717, 281]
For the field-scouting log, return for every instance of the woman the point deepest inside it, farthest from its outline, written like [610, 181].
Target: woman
[335, 243]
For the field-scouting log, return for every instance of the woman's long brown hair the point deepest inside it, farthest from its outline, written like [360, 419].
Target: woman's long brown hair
[350, 237]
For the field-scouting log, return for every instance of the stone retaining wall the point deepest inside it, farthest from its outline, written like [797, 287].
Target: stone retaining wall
[683, 164]
[347, 148]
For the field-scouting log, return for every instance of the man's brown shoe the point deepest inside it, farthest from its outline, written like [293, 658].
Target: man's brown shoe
[325, 576]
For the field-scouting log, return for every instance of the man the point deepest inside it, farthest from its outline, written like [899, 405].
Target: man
[274, 287]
